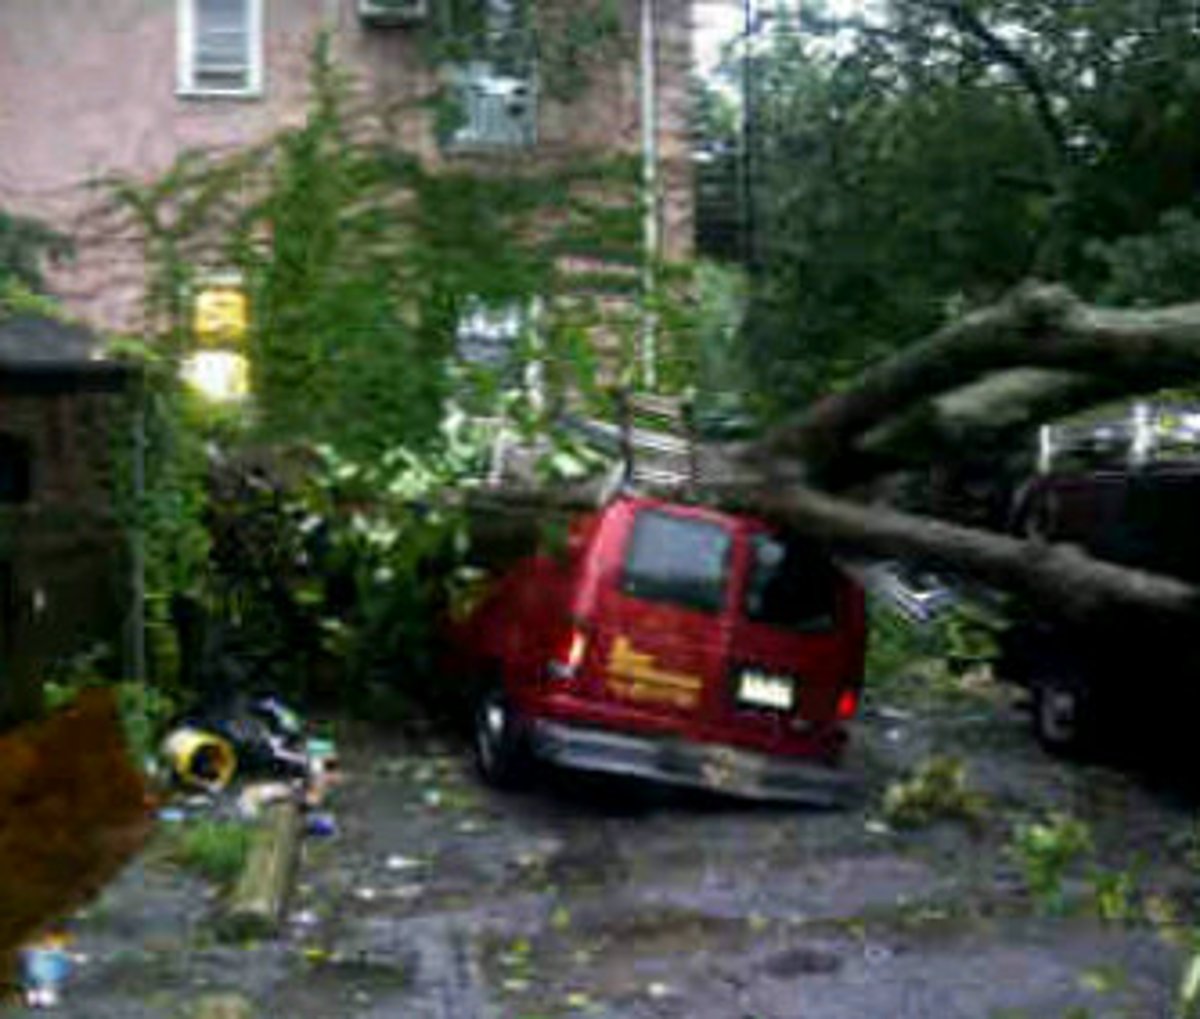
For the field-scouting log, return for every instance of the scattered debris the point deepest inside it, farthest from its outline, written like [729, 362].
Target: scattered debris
[936, 791]
[45, 967]
[321, 825]
[398, 862]
[200, 759]
[222, 1006]
[254, 798]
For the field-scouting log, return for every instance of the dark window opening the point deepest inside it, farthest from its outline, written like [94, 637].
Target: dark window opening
[679, 561]
[15, 479]
[792, 584]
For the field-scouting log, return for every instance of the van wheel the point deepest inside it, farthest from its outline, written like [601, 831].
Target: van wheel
[501, 751]
[1062, 719]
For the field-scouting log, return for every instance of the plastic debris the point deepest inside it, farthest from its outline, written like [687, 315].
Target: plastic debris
[255, 797]
[282, 719]
[201, 759]
[172, 815]
[321, 825]
[398, 862]
[45, 967]
[433, 798]
[267, 735]
[366, 894]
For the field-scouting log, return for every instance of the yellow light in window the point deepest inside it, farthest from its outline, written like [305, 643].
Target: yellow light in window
[220, 315]
[218, 375]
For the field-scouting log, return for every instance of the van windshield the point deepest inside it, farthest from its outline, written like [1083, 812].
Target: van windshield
[677, 560]
[792, 584]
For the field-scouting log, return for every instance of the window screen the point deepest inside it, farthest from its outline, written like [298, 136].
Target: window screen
[792, 584]
[221, 57]
[676, 560]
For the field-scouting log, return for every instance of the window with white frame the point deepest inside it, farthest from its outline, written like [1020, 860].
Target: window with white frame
[504, 339]
[496, 90]
[220, 47]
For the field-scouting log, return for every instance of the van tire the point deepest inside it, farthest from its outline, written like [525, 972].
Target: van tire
[1063, 721]
[501, 749]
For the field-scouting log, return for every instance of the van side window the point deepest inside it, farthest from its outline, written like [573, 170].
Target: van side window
[792, 584]
[676, 560]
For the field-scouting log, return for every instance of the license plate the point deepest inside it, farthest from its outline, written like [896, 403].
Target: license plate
[762, 690]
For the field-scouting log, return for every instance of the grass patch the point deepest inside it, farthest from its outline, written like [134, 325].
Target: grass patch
[216, 850]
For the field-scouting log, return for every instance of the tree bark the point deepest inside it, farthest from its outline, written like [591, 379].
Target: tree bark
[1037, 326]
[1061, 578]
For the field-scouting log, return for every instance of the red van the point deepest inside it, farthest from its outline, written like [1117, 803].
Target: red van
[673, 643]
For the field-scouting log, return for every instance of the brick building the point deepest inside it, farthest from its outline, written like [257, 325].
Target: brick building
[89, 88]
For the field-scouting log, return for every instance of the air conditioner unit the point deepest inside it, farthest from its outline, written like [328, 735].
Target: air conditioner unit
[392, 12]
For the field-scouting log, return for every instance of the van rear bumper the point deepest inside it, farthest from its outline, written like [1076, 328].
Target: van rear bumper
[715, 767]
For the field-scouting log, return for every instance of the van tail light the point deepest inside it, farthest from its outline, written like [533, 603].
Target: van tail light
[566, 664]
[847, 705]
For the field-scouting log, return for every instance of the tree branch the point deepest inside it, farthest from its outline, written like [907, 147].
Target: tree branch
[1037, 326]
[970, 24]
[1062, 579]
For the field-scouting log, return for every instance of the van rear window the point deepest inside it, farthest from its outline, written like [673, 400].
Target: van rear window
[792, 585]
[676, 560]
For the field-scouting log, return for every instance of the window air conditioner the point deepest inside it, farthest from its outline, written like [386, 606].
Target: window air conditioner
[392, 12]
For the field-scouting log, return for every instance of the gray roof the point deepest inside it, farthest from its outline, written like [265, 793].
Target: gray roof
[38, 340]
[38, 351]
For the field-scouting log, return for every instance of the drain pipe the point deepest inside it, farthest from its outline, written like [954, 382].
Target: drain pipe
[650, 208]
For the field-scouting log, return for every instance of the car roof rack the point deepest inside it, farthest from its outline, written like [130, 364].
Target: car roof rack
[1150, 434]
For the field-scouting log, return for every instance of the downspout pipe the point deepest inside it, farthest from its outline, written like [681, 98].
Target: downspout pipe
[650, 199]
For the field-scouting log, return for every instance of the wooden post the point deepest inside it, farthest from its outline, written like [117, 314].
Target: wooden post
[260, 896]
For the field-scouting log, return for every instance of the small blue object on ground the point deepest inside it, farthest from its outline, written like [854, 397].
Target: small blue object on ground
[321, 825]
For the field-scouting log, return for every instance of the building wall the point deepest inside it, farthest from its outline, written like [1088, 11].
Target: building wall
[87, 89]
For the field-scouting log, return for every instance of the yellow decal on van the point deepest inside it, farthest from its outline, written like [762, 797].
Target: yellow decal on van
[634, 675]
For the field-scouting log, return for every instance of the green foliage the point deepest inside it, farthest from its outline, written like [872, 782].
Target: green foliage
[564, 43]
[922, 159]
[214, 849]
[896, 646]
[937, 790]
[16, 298]
[1114, 895]
[1154, 268]
[361, 267]
[25, 243]
[970, 635]
[1046, 851]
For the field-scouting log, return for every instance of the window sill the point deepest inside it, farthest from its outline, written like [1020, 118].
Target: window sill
[242, 95]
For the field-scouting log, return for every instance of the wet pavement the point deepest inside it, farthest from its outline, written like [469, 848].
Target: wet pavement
[579, 897]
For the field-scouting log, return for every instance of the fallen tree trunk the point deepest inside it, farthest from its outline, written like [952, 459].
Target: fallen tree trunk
[1061, 578]
[1038, 326]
